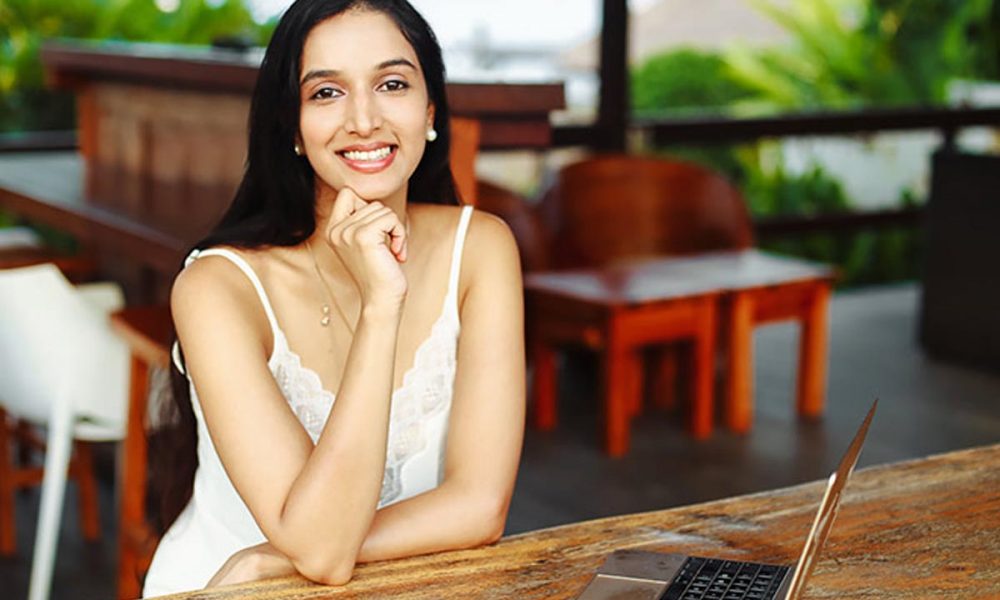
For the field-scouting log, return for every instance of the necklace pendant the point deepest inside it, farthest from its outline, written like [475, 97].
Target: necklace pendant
[325, 321]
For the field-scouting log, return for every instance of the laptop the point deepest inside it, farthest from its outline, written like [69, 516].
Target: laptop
[638, 575]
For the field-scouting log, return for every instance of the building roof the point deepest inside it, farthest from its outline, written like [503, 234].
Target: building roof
[702, 24]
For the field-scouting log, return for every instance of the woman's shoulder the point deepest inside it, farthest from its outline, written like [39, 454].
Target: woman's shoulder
[214, 283]
[440, 219]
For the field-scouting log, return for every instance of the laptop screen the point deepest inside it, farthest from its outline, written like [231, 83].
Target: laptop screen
[828, 510]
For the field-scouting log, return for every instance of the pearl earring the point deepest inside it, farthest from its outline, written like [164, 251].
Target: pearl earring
[298, 150]
[432, 135]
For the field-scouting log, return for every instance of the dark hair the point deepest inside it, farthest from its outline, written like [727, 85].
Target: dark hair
[274, 204]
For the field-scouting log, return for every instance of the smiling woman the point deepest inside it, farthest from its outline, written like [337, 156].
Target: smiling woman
[394, 427]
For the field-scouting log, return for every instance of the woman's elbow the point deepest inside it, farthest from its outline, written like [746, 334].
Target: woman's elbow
[329, 571]
[493, 520]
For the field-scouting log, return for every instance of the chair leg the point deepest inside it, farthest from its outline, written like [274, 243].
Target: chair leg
[90, 523]
[635, 383]
[617, 401]
[739, 366]
[664, 380]
[133, 556]
[703, 373]
[545, 391]
[50, 513]
[8, 524]
[812, 354]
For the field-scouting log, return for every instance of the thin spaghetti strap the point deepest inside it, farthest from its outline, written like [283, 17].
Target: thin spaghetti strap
[248, 271]
[244, 266]
[456, 256]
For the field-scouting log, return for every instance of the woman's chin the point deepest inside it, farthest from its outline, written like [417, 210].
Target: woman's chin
[371, 191]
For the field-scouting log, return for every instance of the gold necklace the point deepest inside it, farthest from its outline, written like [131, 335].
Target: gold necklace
[325, 318]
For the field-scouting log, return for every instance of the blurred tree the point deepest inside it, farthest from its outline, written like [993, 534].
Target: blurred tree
[24, 102]
[684, 79]
[865, 52]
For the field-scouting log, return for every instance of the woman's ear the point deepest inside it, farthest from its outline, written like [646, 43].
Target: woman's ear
[430, 115]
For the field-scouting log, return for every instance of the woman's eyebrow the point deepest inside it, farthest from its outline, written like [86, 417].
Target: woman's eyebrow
[320, 73]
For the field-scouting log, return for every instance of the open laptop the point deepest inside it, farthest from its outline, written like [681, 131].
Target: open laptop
[637, 575]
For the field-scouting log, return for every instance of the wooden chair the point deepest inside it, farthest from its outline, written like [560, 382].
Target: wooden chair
[522, 220]
[148, 331]
[608, 208]
[613, 209]
[462, 157]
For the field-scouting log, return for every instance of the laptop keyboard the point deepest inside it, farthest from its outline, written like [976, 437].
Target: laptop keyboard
[715, 579]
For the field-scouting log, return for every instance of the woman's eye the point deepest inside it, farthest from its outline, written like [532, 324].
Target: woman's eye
[394, 85]
[326, 93]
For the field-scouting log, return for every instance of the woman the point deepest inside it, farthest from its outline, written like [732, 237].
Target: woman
[352, 341]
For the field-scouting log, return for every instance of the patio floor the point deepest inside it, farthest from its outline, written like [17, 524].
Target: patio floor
[925, 407]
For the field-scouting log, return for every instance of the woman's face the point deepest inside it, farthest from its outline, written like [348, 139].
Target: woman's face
[364, 105]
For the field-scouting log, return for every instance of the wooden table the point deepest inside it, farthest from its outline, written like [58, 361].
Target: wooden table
[147, 331]
[619, 309]
[47, 187]
[928, 528]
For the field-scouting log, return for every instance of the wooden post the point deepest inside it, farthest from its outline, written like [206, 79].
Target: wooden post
[612, 117]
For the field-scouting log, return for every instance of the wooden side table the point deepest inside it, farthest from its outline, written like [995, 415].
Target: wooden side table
[148, 332]
[620, 308]
[617, 312]
[804, 301]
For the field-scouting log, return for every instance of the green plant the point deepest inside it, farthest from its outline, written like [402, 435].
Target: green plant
[861, 257]
[25, 104]
[849, 53]
[683, 80]
[776, 192]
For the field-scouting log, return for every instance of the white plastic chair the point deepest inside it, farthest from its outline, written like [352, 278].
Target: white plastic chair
[63, 367]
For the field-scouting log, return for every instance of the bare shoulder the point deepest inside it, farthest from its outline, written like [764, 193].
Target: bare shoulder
[213, 290]
[490, 239]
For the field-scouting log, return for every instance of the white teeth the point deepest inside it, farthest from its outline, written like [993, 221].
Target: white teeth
[379, 154]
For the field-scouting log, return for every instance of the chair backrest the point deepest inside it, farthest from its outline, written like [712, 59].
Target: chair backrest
[57, 349]
[462, 157]
[522, 220]
[608, 208]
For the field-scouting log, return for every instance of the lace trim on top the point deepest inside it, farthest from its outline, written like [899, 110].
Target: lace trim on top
[425, 391]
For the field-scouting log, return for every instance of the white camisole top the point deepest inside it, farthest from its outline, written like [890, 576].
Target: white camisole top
[216, 523]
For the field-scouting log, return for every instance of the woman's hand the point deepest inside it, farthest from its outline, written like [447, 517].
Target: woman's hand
[252, 564]
[371, 241]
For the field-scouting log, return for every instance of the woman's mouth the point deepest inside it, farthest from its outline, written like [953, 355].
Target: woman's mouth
[369, 161]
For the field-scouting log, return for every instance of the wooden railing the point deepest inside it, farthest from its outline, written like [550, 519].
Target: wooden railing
[38, 141]
[711, 130]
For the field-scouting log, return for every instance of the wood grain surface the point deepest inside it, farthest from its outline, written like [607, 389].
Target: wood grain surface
[928, 528]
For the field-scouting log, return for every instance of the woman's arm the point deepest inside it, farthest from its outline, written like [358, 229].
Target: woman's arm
[469, 508]
[486, 428]
[314, 505]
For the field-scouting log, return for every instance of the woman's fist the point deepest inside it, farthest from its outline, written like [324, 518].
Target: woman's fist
[370, 240]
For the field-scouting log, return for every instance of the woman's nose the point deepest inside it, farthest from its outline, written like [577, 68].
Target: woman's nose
[363, 116]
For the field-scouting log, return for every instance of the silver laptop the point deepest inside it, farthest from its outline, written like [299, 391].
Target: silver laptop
[637, 575]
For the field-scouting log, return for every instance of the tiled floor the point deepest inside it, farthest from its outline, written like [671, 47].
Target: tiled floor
[926, 407]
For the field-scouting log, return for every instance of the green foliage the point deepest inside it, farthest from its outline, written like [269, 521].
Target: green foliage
[780, 193]
[848, 53]
[861, 257]
[24, 102]
[684, 79]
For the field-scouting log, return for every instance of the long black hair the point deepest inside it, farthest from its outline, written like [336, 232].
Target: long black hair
[275, 202]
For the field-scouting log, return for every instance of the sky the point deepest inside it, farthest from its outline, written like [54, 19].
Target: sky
[506, 22]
